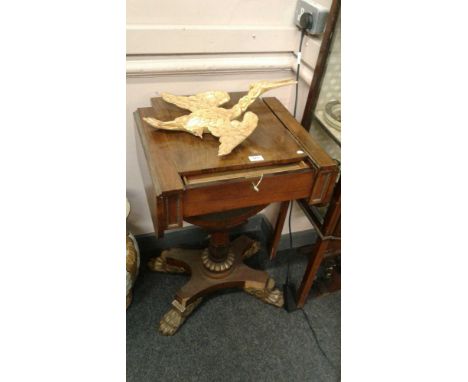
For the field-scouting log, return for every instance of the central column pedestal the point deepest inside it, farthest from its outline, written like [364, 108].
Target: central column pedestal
[218, 257]
[217, 267]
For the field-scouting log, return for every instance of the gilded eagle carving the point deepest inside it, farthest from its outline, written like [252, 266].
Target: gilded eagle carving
[207, 117]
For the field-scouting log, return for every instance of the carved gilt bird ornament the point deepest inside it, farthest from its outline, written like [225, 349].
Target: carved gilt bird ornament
[207, 117]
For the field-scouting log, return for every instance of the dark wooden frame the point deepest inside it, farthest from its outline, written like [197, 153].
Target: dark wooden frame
[328, 229]
[328, 245]
[319, 70]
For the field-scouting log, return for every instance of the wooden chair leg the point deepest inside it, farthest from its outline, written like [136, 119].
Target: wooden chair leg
[278, 228]
[311, 271]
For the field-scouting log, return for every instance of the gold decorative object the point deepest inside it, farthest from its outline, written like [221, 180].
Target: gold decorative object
[159, 264]
[208, 117]
[269, 294]
[131, 267]
[252, 250]
[132, 261]
[176, 316]
[214, 266]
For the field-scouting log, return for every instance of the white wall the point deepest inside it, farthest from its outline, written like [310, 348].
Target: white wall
[210, 12]
[212, 30]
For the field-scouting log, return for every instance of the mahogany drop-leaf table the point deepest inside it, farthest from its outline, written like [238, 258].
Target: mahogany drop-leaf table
[185, 180]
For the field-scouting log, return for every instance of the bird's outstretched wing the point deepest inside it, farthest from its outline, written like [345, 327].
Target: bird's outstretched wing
[233, 133]
[198, 101]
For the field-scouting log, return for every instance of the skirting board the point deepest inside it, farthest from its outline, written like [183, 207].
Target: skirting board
[258, 227]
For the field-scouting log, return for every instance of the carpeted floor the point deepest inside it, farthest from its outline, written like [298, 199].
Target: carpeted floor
[232, 336]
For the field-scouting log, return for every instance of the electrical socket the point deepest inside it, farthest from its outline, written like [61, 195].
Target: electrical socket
[318, 12]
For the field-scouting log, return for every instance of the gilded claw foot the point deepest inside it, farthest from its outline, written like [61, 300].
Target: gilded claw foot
[176, 316]
[252, 250]
[159, 264]
[269, 294]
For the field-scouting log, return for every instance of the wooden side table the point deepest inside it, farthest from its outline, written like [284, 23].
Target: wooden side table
[326, 248]
[323, 121]
[325, 252]
[186, 180]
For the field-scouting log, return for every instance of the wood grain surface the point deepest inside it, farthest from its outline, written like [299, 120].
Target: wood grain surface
[185, 178]
[190, 154]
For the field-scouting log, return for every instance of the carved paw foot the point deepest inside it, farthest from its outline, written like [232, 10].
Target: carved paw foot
[252, 250]
[159, 264]
[176, 316]
[269, 294]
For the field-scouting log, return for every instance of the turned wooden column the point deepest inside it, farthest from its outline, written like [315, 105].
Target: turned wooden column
[219, 246]
[218, 258]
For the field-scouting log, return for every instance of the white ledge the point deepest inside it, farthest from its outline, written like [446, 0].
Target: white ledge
[174, 65]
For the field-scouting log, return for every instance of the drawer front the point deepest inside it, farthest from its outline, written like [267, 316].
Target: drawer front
[224, 196]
